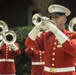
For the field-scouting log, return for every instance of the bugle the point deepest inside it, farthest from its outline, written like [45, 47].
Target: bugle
[72, 24]
[38, 19]
[9, 37]
[3, 26]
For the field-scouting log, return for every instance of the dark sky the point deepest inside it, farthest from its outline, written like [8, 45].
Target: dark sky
[14, 12]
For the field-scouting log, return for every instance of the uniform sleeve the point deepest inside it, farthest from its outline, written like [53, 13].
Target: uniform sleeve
[41, 52]
[17, 52]
[70, 45]
[28, 51]
[36, 44]
[32, 51]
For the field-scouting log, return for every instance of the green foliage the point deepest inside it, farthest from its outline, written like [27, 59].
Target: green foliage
[22, 62]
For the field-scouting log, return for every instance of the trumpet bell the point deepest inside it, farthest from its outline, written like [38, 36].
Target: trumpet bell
[1, 29]
[72, 24]
[36, 19]
[3, 26]
[9, 37]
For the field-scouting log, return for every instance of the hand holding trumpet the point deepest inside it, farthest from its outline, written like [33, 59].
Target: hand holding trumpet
[44, 23]
[39, 20]
[50, 27]
[9, 39]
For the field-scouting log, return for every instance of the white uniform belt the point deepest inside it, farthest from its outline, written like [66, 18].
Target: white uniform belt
[37, 63]
[6, 60]
[55, 70]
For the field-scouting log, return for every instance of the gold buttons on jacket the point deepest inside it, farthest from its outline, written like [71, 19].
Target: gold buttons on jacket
[40, 60]
[6, 54]
[40, 55]
[53, 53]
[55, 43]
[52, 64]
[58, 46]
[7, 48]
[54, 48]
[32, 48]
[53, 59]
[6, 57]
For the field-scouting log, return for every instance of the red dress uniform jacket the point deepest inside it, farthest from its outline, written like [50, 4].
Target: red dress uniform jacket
[58, 58]
[7, 65]
[37, 59]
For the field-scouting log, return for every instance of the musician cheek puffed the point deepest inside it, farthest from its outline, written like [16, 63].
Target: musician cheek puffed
[58, 43]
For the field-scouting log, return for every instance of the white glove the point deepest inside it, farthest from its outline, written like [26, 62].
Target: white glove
[14, 47]
[1, 37]
[34, 32]
[41, 26]
[50, 27]
[1, 43]
[59, 35]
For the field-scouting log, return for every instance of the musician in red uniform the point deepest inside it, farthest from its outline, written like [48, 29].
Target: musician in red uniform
[58, 43]
[72, 27]
[37, 60]
[7, 53]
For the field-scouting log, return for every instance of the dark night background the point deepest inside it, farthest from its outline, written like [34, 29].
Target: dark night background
[15, 12]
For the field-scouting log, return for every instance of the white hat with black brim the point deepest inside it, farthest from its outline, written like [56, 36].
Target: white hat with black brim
[55, 8]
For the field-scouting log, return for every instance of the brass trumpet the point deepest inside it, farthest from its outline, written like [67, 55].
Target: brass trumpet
[3, 26]
[9, 37]
[36, 19]
[72, 24]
